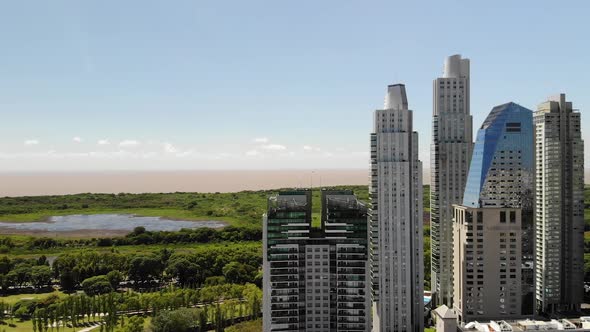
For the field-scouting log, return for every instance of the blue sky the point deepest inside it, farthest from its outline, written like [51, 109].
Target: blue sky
[109, 85]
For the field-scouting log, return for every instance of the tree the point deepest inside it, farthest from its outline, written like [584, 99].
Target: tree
[20, 275]
[24, 308]
[96, 285]
[138, 230]
[144, 268]
[253, 297]
[180, 320]
[5, 265]
[41, 276]
[238, 273]
[135, 324]
[115, 277]
[185, 272]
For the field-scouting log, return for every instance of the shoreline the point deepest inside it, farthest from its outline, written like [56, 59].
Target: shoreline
[224, 181]
[91, 233]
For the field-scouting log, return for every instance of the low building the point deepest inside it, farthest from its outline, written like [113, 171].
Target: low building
[445, 318]
[446, 321]
[528, 325]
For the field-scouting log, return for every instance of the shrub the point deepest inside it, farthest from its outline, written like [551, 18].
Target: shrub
[97, 285]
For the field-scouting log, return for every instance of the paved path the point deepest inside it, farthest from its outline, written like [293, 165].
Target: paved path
[88, 329]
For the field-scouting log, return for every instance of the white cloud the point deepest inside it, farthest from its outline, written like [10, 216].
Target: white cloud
[252, 153]
[103, 142]
[30, 142]
[261, 140]
[170, 148]
[77, 139]
[274, 147]
[129, 143]
[310, 148]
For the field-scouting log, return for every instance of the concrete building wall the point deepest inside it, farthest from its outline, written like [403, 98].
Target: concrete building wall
[451, 149]
[396, 214]
[559, 206]
[487, 264]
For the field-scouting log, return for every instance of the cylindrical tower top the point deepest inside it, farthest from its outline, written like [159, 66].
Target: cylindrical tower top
[456, 67]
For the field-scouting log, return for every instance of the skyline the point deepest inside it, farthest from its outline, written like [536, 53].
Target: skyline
[87, 87]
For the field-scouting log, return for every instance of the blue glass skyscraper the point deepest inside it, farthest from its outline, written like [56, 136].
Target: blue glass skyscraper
[492, 229]
[501, 171]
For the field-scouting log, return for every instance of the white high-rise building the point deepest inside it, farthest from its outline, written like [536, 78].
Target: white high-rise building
[451, 149]
[396, 217]
[559, 223]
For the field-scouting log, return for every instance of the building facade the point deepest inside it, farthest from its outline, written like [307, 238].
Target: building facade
[450, 155]
[497, 204]
[316, 278]
[487, 273]
[559, 207]
[396, 217]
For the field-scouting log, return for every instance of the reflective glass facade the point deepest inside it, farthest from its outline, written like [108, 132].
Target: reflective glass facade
[501, 175]
[501, 171]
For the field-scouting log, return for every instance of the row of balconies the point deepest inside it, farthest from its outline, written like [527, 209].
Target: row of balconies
[284, 299]
[344, 298]
[353, 313]
[350, 306]
[343, 270]
[284, 292]
[284, 306]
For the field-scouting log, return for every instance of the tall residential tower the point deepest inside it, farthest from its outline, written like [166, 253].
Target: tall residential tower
[316, 278]
[451, 149]
[559, 207]
[396, 217]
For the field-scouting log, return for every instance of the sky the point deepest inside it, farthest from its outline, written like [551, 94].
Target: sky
[174, 85]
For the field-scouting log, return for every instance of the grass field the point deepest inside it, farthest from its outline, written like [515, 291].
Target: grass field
[12, 299]
[146, 324]
[27, 326]
[252, 326]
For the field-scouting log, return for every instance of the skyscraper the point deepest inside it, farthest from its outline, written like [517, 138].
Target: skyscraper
[497, 204]
[559, 207]
[451, 148]
[396, 217]
[316, 278]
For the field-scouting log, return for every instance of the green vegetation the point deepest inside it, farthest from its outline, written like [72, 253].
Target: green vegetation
[251, 326]
[242, 209]
[207, 308]
[12, 299]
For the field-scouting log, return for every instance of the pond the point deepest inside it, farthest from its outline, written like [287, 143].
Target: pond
[103, 223]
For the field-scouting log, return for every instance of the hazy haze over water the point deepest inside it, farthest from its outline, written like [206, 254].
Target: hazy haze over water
[58, 183]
